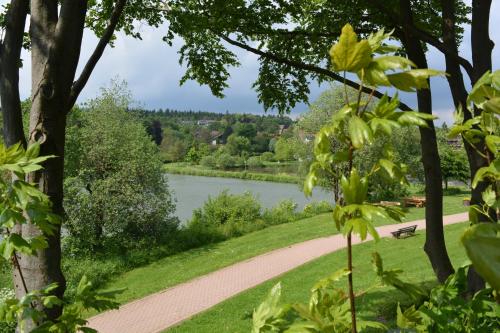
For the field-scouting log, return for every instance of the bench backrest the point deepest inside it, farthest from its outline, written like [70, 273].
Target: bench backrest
[411, 228]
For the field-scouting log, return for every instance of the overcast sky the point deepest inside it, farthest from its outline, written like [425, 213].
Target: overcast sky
[152, 71]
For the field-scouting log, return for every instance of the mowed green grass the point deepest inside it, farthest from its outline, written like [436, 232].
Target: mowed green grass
[234, 315]
[185, 266]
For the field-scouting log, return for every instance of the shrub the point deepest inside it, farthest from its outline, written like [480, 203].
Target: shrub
[5, 294]
[208, 161]
[254, 162]
[226, 161]
[118, 197]
[380, 190]
[316, 208]
[284, 212]
[267, 156]
[228, 215]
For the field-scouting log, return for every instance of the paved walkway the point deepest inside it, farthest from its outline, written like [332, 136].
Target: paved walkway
[164, 309]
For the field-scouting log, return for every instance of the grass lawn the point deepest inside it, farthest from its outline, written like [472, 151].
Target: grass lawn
[185, 266]
[234, 314]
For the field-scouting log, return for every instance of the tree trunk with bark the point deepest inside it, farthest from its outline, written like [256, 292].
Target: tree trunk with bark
[435, 246]
[10, 60]
[482, 47]
[56, 31]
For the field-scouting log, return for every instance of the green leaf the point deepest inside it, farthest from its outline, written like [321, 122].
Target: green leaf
[413, 118]
[33, 150]
[349, 54]
[481, 242]
[359, 132]
[413, 79]
[393, 63]
[334, 277]
[354, 188]
[492, 142]
[492, 171]
[492, 105]
[311, 179]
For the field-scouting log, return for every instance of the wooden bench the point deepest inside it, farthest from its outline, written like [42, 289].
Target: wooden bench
[405, 232]
[388, 203]
[414, 201]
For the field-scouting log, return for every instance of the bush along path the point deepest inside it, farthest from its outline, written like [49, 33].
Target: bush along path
[164, 309]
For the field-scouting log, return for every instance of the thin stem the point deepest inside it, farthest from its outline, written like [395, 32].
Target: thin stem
[351, 288]
[349, 259]
[15, 261]
[345, 90]
[360, 91]
[369, 100]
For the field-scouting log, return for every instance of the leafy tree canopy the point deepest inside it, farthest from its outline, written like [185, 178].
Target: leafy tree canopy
[291, 37]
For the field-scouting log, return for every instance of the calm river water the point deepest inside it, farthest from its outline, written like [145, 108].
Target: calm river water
[192, 191]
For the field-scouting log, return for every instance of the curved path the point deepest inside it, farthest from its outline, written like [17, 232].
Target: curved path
[164, 309]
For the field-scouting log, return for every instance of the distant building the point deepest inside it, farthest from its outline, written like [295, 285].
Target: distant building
[205, 122]
[216, 138]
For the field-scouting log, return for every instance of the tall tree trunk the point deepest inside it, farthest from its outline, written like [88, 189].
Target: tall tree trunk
[435, 246]
[56, 31]
[55, 48]
[47, 127]
[10, 62]
[482, 47]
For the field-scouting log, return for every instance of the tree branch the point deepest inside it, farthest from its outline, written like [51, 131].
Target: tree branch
[10, 61]
[97, 54]
[68, 41]
[426, 37]
[308, 67]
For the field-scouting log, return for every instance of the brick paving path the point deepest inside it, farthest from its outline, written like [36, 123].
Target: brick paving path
[164, 309]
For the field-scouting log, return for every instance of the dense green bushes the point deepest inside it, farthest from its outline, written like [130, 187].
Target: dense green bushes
[229, 215]
[116, 194]
[5, 294]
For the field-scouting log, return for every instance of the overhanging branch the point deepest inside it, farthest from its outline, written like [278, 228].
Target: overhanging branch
[308, 67]
[97, 54]
[426, 37]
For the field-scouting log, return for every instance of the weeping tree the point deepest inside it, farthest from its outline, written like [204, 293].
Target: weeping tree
[54, 40]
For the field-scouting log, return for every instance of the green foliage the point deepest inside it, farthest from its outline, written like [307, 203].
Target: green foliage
[208, 161]
[193, 156]
[285, 149]
[23, 203]
[226, 161]
[21, 310]
[481, 132]
[267, 156]
[349, 130]
[195, 171]
[236, 145]
[228, 215]
[327, 311]
[6, 294]
[118, 197]
[255, 162]
[316, 208]
[446, 310]
[284, 212]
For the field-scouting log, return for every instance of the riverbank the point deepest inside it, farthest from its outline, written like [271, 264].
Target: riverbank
[182, 267]
[196, 170]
